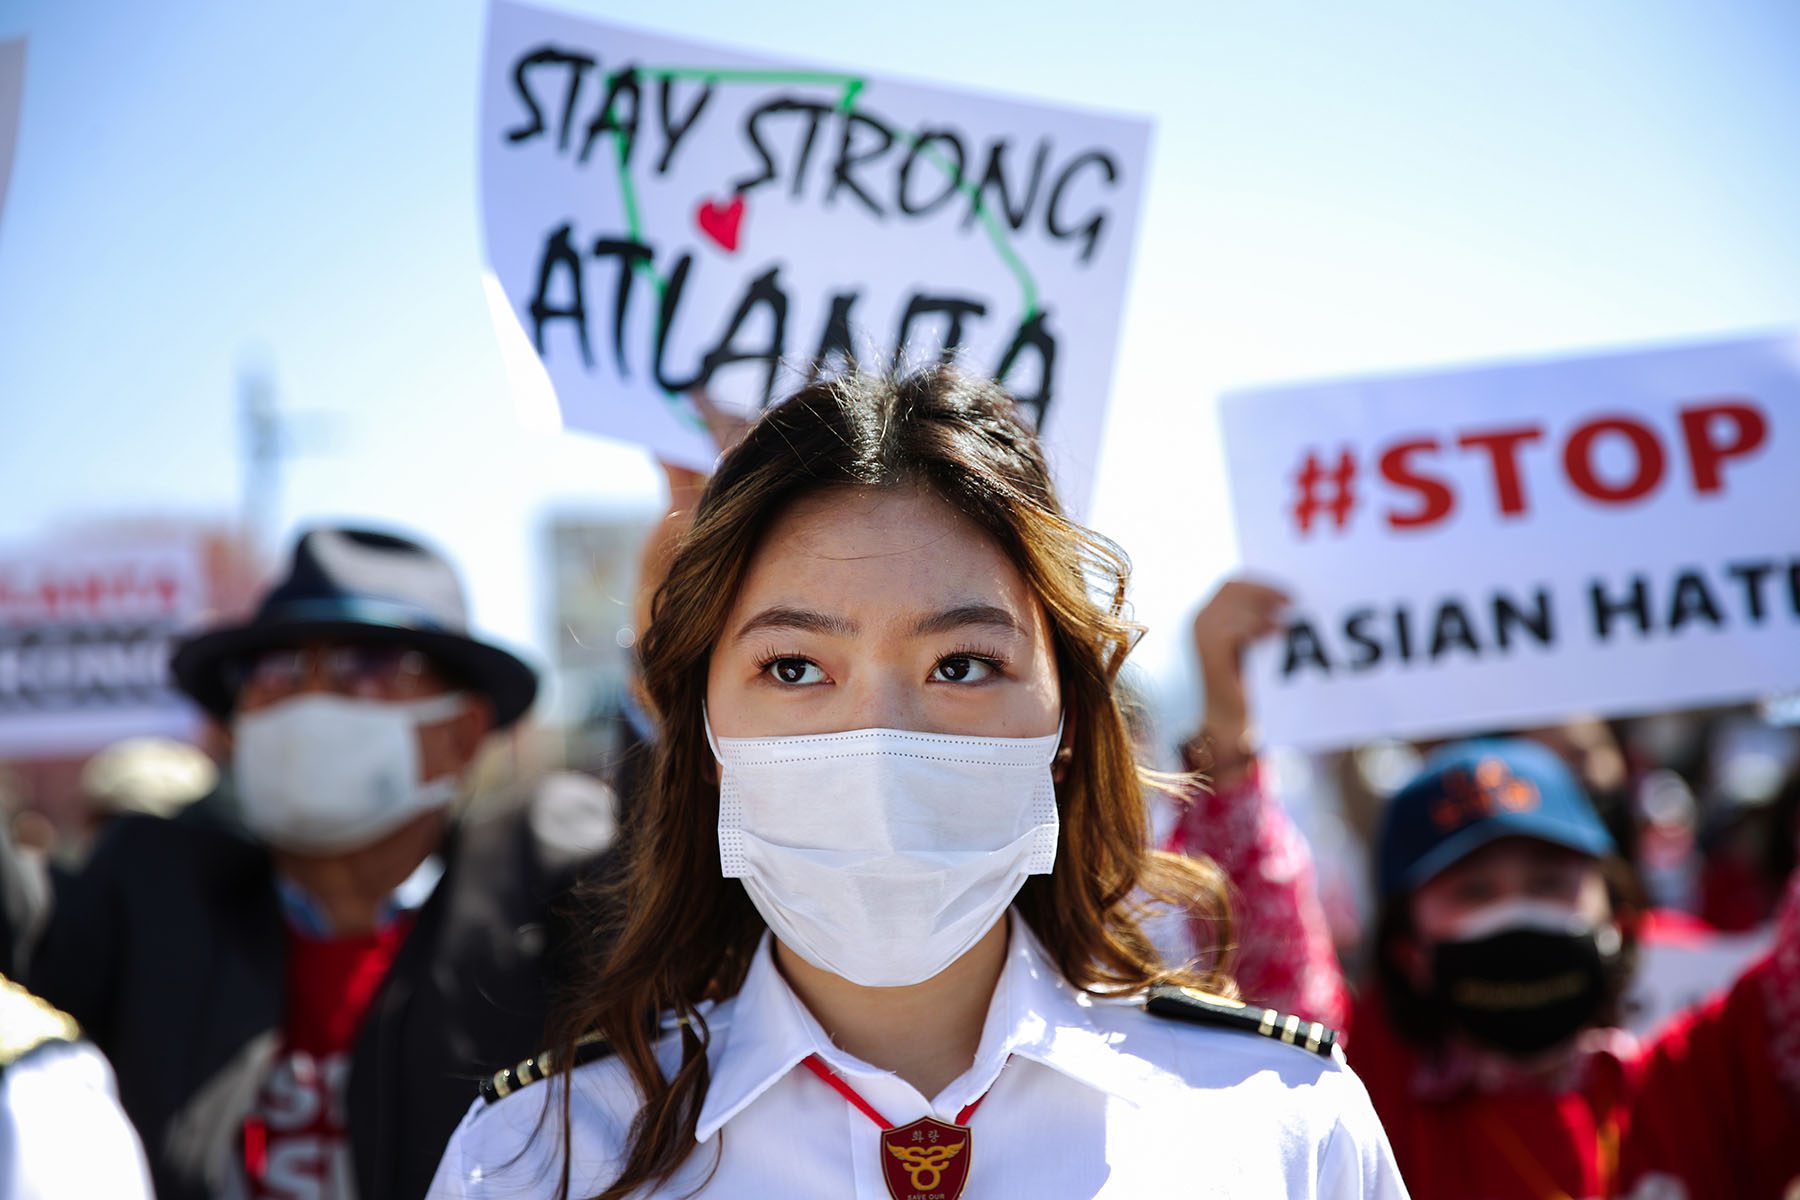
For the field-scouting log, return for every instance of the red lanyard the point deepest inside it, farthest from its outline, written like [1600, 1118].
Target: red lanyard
[816, 1065]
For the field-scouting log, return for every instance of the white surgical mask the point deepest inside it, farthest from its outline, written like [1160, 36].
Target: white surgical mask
[320, 774]
[882, 855]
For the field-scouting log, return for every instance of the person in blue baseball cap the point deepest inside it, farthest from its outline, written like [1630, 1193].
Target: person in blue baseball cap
[1503, 948]
[1484, 1026]
[1501, 927]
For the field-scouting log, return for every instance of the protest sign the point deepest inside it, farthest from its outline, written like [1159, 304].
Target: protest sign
[85, 638]
[12, 93]
[667, 216]
[1678, 969]
[1500, 546]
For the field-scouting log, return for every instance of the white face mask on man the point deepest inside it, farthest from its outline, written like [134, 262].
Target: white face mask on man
[321, 774]
[882, 855]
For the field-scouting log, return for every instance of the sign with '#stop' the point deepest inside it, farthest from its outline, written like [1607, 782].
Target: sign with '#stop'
[1508, 545]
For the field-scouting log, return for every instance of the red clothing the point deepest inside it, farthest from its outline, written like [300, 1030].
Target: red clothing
[1455, 1140]
[295, 1143]
[1714, 1120]
[1285, 959]
[1719, 1115]
[1735, 896]
[1673, 926]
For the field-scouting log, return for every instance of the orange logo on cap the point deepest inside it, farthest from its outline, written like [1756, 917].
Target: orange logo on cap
[1490, 790]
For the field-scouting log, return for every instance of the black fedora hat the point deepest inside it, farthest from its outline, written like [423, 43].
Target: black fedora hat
[359, 585]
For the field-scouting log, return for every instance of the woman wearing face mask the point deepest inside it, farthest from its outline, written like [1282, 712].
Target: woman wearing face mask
[1503, 947]
[1503, 944]
[878, 936]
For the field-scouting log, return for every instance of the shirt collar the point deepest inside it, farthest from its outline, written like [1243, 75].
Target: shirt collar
[307, 916]
[764, 1032]
[1036, 1014]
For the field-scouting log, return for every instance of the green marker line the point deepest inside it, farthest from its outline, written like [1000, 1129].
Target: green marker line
[620, 150]
[634, 226]
[989, 223]
[853, 87]
[730, 75]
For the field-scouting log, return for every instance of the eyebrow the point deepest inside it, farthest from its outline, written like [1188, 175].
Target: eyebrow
[966, 615]
[806, 620]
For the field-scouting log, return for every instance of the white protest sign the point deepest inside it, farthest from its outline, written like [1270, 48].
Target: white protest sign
[666, 215]
[85, 639]
[1508, 545]
[1677, 972]
[12, 93]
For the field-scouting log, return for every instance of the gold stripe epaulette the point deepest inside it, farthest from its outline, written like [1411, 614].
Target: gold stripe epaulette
[1204, 1008]
[26, 1022]
[505, 1082]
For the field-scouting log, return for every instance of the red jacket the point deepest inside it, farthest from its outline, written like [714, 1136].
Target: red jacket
[1714, 1118]
[1455, 1141]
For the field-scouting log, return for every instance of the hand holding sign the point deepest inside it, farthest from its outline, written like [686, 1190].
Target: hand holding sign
[1240, 612]
[686, 485]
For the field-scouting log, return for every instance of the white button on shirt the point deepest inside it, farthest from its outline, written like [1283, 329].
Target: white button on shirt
[1085, 1098]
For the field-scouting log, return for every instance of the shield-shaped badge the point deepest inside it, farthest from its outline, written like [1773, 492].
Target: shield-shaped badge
[927, 1160]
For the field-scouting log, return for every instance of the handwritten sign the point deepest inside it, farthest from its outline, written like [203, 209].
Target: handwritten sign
[85, 639]
[667, 216]
[1508, 545]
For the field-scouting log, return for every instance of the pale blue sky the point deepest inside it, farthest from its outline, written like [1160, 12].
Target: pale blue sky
[1334, 188]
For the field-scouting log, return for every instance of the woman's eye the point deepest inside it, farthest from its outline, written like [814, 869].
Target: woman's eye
[1555, 884]
[795, 671]
[962, 668]
[1474, 892]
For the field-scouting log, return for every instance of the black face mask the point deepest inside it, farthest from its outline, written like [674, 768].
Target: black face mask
[1522, 990]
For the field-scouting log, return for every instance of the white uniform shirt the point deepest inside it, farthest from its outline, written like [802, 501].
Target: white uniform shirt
[1084, 1098]
[63, 1135]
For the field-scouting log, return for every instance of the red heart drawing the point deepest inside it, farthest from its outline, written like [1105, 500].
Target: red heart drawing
[721, 222]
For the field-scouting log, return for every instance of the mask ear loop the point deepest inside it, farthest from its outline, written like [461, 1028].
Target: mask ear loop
[451, 789]
[729, 825]
[1062, 755]
[712, 743]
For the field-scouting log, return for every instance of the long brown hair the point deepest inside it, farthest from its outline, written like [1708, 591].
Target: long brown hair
[683, 933]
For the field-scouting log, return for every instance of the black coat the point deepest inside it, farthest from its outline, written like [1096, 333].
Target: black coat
[169, 948]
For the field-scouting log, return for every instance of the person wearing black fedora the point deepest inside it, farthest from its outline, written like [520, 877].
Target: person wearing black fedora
[300, 979]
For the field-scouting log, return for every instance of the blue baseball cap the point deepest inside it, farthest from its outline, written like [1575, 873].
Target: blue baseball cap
[1476, 792]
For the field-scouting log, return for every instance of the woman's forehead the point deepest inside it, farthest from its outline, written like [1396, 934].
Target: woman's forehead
[880, 551]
